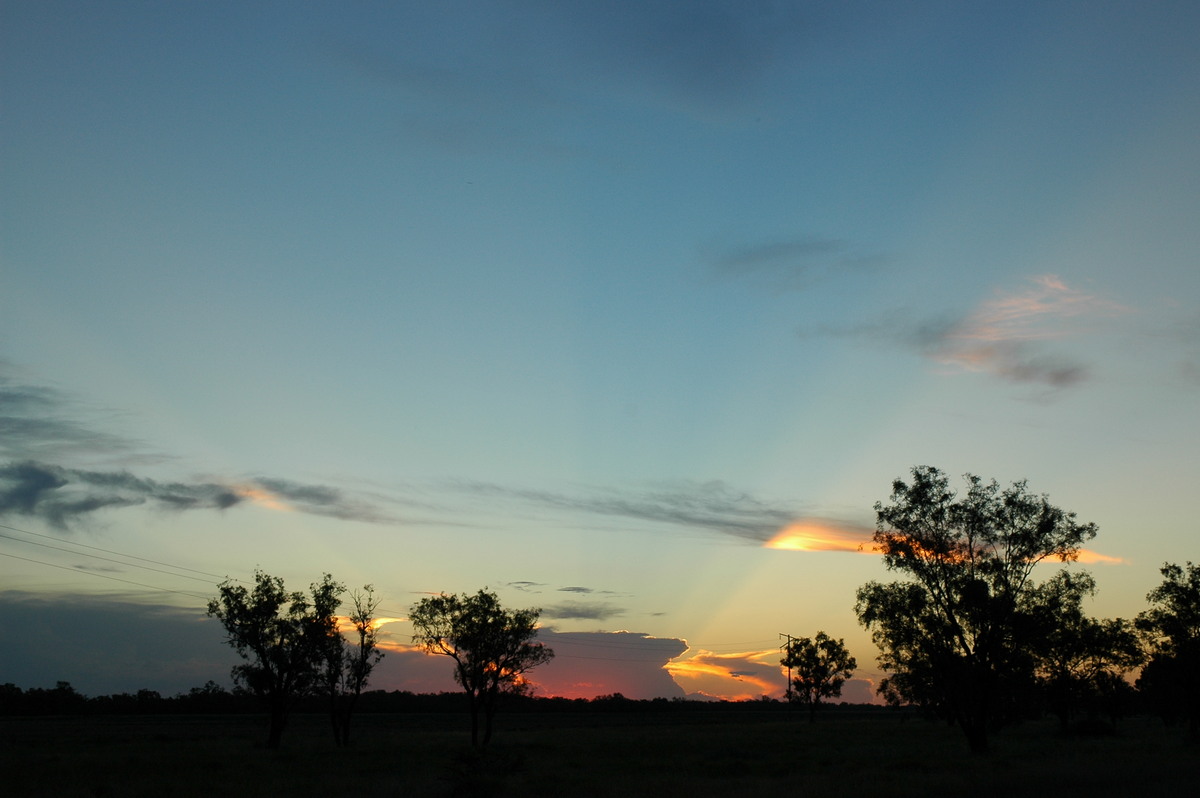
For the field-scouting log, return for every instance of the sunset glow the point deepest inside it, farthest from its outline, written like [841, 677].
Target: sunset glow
[262, 497]
[820, 536]
[628, 312]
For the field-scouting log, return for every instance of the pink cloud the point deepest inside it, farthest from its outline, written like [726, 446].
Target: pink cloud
[998, 337]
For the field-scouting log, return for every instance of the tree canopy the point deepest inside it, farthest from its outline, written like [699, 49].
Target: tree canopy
[1172, 630]
[953, 636]
[283, 636]
[492, 648]
[818, 668]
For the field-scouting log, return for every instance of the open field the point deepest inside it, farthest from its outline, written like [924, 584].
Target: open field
[673, 754]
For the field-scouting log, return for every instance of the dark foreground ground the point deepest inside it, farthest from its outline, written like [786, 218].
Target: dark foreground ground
[693, 754]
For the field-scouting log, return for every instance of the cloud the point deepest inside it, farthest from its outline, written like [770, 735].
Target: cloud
[589, 664]
[792, 264]
[37, 422]
[1006, 336]
[821, 534]
[59, 496]
[713, 506]
[1001, 336]
[109, 644]
[591, 611]
[733, 676]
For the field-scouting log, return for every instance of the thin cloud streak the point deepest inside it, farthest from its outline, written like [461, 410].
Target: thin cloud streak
[713, 506]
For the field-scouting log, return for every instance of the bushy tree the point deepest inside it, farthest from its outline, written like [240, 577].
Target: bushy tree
[492, 648]
[819, 667]
[1172, 630]
[348, 663]
[283, 636]
[1080, 660]
[953, 637]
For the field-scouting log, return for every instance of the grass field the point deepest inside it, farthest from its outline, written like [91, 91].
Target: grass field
[690, 754]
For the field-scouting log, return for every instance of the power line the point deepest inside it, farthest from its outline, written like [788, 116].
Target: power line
[104, 576]
[107, 551]
[105, 559]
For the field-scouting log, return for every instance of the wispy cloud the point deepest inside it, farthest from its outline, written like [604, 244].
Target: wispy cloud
[792, 263]
[41, 428]
[1008, 336]
[38, 422]
[59, 495]
[1001, 335]
[713, 506]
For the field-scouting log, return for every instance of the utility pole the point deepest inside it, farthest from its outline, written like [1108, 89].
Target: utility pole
[787, 650]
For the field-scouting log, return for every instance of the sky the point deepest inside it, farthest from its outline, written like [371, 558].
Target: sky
[626, 311]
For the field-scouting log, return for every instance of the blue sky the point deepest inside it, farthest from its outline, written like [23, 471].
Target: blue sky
[585, 302]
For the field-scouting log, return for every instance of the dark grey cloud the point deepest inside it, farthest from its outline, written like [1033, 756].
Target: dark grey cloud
[41, 426]
[37, 422]
[323, 500]
[109, 644]
[792, 263]
[59, 495]
[575, 589]
[712, 506]
[526, 587]
[579, 610]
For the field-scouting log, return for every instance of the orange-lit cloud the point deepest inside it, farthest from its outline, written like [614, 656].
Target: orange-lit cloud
[261, 496]
[346, 626]
[815, 534]
[825, 535]
[732, 677]
[1093, 557]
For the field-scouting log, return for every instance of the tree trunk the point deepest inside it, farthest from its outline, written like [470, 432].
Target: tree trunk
[474, 723]
[275, 731]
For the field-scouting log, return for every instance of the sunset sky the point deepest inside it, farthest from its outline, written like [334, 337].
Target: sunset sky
[627, 311]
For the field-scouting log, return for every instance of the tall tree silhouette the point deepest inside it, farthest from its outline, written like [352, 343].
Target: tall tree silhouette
[492, 648]
[348, 663]
[953, 637]
[283, 636]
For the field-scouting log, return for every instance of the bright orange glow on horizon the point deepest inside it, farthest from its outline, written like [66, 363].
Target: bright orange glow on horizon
[817, 535]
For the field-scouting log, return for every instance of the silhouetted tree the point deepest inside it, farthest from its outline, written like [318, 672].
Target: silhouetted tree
[492, 648]
[951, 638]
[1079, 659]
[1172, 630]
[348, 665]
[819, 668]
[284, 638]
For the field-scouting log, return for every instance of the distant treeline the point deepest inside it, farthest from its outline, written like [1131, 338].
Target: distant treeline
[63, 699]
